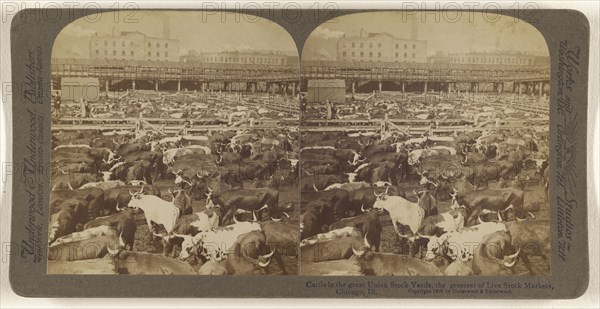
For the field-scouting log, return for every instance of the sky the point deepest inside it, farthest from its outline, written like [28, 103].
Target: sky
[214, 31]
[468, 32]
[208, 32]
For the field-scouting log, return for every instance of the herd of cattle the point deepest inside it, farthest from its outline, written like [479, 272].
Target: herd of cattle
[220, 203]
[458, 204]
[432, 106]
[185, 105]
[317, 203]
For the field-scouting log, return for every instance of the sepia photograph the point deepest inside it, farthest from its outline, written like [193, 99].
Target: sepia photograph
[174, 146]
[424, 147]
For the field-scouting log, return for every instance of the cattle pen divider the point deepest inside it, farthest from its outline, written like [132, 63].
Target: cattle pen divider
[406, 126]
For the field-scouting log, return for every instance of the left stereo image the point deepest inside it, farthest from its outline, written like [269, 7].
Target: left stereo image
[174, 147]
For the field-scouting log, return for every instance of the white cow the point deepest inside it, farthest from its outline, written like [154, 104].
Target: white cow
[348, 231]
[401, 211]
[461, 244]
[348, 186]
[104, 185]
[450, 149]
[86, 234]
[219, 241]
[155, 210]
[72, 146]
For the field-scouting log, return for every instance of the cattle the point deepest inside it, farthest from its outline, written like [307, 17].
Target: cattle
[121, 196]
[441, 224]
[491, 199]
[70, 156]
[129, 171]
[93, 197]
[85, 249]
[72, 181]
[182, 201]
[389, 264]
[136, 170]
[348, 267]
[245, 258]
[473, 157]
[333, 245]
[125, 149]
[123, 222]
[400, 160]
[216, 243]
[494, 256]
[325, 213]
[320, 168]
[459, 268]
[350, 186]
[235, 174]
[415, 155]
[246, 199]
[228, 158]
[170, 155]
[517, 183]
[153, 157]
[66, 218]
[311, 223]
[104, 185]
[213, 268]
[342, 155]
[89, 233]
[460, 245]
[436, 166]
[426, 201]
[142, 263]
[533, 238]
[447, 186]
[320, 182]
[188, 226]
[367, 223]
[401, 211]
[284, 237]
[386, 171]
[155, 210]
[101, 266]
[337, 199]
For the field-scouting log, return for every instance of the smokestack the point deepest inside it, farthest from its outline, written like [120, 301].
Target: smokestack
[414, 28]
[166, 26]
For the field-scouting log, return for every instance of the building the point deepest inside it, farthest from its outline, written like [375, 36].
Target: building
[133, 46]
[381, 47]
[74, 89]
[497, 58]
[320, 90]
[240, 57]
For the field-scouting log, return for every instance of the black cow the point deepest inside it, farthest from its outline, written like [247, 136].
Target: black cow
[283, 237]
[249, 200]
[123, 222]
[337, 199]
[497, 200]
[93, 197]
[367, 223]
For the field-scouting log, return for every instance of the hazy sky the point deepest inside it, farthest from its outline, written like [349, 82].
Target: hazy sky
[195, 30]
[490, 33]
[213, 31]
